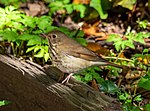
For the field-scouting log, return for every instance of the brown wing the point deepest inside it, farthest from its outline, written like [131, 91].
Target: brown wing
[80, 51]
[72, 47]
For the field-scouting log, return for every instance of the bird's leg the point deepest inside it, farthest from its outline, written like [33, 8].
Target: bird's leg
[67, 78]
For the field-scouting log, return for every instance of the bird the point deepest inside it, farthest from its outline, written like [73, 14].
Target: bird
[70, 56]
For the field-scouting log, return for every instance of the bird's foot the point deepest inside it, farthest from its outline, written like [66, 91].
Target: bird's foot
[67, 78]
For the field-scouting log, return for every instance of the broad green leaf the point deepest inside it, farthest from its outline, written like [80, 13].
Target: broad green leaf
[140, 37]
[78, 77]
[114, 38]
[46, 48]
[130, 44]
[50, 28]
[147, 107]
[10, 8]
[111, 37]
[40, 53]
[109, 87]
[144, 83]
[57, 4]
[30, 49]
[145, 50]
[38, 31]
[114, 71]
[97, 5]
[25, 37]
[81, 41]
[10, 36]
[65, 30]
[137, 55]
[81, 8]
[37, 48]
[118, 45]
[97, 68]
[98, 78]
[29, 21]
[44, 22]
[88, 77]
[69, 8]
[34, 41]
[16, 25]
[128, 106]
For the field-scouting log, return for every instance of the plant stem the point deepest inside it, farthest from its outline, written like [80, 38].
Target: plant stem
[118, 58]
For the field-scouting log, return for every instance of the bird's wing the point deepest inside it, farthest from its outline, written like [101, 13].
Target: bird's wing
[90, 56]
[84, 53]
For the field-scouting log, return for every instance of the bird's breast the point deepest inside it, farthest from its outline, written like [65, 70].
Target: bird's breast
[71, 64]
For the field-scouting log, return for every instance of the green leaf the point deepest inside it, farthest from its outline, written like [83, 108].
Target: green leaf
[81, 8]
[137, 55]
[57, 4]
[69, 8]
[54, 6]
[66, 1]
[44, 22]
[130, 44]
[124, 96]
[118, 46]
[128, 106]
[145, 83]
[111, 37]
[88, 77]
[40, 53]
[25, 37]
[97, 5]
[30, 49]
[29, 21]
[46, 48]
[81, 41]
[147, 107]
[46, 57]
[37, 48]
[10, 36]
[142, 24]
[97, 77]
[80, 33]
[78, 77]
[138, 98]
[4, 102]
[34, 41]
[145, 50]
[109, 87]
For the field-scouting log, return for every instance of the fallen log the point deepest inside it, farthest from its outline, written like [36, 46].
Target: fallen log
[30, 87]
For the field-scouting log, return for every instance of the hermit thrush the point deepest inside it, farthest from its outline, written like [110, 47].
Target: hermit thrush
[70, 56]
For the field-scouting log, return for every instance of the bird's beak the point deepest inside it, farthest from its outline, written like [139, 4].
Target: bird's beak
[44, 35]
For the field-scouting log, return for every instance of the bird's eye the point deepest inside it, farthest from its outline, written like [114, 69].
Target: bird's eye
[54, 35]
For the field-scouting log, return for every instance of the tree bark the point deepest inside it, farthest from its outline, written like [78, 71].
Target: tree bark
[30, 87]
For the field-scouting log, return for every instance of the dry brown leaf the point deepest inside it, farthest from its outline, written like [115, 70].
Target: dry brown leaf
[98, 49]
[94, 85]
[134, 74]
[93, 31]
[36, 9]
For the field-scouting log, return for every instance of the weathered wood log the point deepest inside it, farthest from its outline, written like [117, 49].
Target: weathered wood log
[29, 87]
